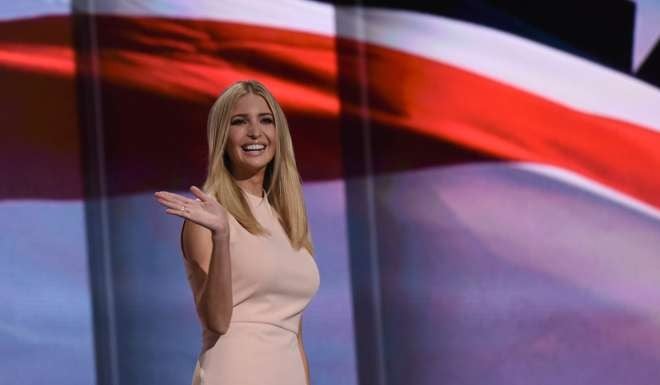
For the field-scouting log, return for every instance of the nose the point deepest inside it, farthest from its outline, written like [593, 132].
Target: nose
[253, 131]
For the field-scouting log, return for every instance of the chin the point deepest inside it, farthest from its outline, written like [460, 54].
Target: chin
[255, 166]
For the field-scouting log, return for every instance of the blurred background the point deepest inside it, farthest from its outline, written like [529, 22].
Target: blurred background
[482, 180]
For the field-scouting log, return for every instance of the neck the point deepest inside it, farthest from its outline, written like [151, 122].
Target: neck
[253, 184]
[249, 179]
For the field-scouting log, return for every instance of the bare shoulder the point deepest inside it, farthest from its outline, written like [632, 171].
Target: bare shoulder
[196, 243]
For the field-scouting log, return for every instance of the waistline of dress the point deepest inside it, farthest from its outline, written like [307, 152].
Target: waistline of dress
[263, 323]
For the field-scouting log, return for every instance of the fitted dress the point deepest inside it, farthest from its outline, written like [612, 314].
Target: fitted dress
[271, 285]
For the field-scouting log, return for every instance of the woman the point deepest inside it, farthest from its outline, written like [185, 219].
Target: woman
[247, 246]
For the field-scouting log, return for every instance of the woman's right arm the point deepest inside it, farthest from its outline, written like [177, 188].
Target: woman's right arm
[210, 251]
[205, 243]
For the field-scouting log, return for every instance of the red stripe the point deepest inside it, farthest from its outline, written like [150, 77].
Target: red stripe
[39, 145]
[498, 120]
[161, 75]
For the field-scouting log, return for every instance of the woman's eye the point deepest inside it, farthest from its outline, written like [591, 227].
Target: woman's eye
[243, 121]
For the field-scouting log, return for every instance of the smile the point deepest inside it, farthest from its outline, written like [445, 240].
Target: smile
[254, 149]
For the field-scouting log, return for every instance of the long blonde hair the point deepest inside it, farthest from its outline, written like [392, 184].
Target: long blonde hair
[282, 181]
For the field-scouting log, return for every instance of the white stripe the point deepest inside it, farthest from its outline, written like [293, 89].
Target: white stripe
[22, 9]
[306, 16]
[527, 225]
[647, 30]
[586, 184]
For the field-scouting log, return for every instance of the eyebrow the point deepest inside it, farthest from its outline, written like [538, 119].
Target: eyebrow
[245, 115]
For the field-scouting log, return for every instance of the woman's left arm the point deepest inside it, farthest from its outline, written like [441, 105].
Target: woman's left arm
[302, 352]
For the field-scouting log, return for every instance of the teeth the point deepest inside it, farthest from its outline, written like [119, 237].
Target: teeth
[252, 147]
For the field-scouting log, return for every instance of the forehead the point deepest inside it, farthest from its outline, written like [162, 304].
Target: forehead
[250, 103]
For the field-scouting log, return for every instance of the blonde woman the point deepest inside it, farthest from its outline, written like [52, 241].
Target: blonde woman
[247, 247]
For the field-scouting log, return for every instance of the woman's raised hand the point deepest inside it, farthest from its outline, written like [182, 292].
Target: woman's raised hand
[204, 210]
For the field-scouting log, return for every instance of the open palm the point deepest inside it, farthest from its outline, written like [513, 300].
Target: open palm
[204, 210]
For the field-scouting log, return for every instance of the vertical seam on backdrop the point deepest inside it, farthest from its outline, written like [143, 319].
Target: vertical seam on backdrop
[87, 7]
[369, 183]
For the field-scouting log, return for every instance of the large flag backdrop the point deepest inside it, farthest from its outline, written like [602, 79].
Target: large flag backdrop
[480, 176]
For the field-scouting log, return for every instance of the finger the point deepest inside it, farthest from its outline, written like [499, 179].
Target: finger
[170, 196]
[172, 204]
[176, 198]
[165, 194]
[178, 213]
[201, 195]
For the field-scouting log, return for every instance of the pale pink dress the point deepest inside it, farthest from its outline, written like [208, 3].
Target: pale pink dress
[271, 284]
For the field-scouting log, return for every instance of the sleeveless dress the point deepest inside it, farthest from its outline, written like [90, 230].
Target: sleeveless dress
[271, 286]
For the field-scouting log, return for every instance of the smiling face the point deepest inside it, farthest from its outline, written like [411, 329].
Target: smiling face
[252, 137]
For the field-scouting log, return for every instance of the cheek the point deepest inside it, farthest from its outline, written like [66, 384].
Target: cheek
[233, 152]
[235, 135]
